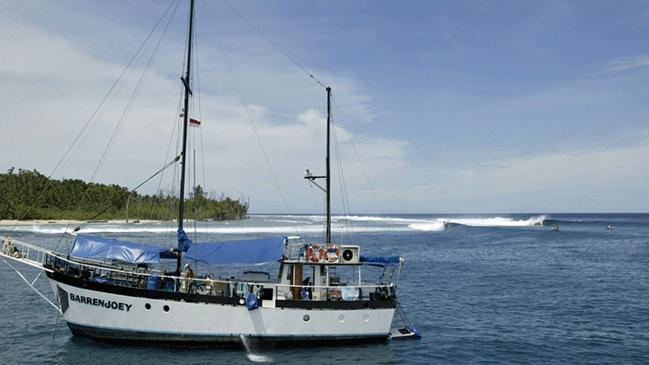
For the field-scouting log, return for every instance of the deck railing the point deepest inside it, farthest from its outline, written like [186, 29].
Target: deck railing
[147, 278]
[23, 252]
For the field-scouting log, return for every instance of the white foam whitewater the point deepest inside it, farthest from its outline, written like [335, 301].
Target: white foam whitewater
[298, 225]
[440, 223]
[249, 351]
[430, 226]
[215, 230]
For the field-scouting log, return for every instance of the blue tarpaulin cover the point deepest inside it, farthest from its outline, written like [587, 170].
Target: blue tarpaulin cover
[184, 243]
[101, 249]
[380, 259]
[256, 251]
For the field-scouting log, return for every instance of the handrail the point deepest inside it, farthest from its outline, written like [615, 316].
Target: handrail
[335, 286]
[215, 280]
[43, 253]
[212, 280]
[23, 243]
[26, 252]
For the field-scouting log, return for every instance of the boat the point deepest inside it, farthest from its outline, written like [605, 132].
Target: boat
[119, 291]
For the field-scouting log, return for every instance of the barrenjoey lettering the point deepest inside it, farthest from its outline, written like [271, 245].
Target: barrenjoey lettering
[108, 304]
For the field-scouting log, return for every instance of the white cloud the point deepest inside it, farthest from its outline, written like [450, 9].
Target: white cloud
[52, 83]
[595, 179]
[627, 63]
[48, 96]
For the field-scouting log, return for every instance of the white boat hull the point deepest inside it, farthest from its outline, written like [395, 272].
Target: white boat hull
[125, 318]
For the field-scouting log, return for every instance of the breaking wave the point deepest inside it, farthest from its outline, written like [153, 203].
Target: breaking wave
[432, 226]
[441, 223]
[337, 218]
[298, 224]
[216, 230]
[496, 221]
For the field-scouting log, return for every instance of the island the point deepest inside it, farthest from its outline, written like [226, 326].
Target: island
[30, 195]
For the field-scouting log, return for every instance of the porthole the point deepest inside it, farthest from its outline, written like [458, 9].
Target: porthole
[165, 308]
[306, 318]
[341, 318]
[147, 306]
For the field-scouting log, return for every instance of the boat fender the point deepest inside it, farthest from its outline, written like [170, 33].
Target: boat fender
[252, 302]
[413, 329]
[304, 293]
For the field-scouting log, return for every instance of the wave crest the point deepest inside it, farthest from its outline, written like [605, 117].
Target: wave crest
[496, 221]
[281, 225]
[431, 227]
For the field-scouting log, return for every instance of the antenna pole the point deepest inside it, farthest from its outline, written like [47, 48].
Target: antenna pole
[186, 81]
[328, 235]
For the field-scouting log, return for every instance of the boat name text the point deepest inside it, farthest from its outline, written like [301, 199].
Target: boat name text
[108, 304]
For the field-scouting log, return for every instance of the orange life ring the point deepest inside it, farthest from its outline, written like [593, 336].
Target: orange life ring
[308, 254]
[323, 254]
[312, 255]
[332, 253]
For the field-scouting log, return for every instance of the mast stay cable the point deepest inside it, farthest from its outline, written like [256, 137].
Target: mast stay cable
[172, 162]
[280, 49]
[67, 154]
[250, 119]
[343, 182]
[360, 161]
[134, 94]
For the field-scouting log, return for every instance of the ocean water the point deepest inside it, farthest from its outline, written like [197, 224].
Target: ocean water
[488, 289]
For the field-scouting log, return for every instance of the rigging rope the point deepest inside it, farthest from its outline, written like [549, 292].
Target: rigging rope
[343, 182]
[67, 155]
[113, 86]
[172, 162]
[251, 120]
[134, 94]
[31, 285]
[280, 49]
[200, 107]
[360, 161]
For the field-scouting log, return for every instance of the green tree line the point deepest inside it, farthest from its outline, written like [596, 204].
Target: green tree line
[28, 194]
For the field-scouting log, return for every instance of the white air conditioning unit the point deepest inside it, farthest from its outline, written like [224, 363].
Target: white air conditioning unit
[350, 254]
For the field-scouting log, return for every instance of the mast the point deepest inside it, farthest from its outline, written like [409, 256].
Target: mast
[328, 235]
[312, 178]
[188, 91]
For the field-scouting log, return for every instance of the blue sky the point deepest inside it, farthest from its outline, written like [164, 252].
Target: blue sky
[458, 106]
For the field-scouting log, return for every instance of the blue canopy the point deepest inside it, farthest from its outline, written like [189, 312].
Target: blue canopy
[380, 259]
[101, 249]
[237, 252]
[184, 243]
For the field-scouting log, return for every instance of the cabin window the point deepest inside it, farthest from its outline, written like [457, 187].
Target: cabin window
[289, 273]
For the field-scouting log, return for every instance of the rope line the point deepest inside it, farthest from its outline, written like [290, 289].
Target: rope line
[251, 120]
[134, 94]
[31, 285]
[67, 155]
[360, 161]
[280, 49]
[343, 182]
[172, 162]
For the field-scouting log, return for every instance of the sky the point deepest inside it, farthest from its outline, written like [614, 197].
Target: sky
[439, 107]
